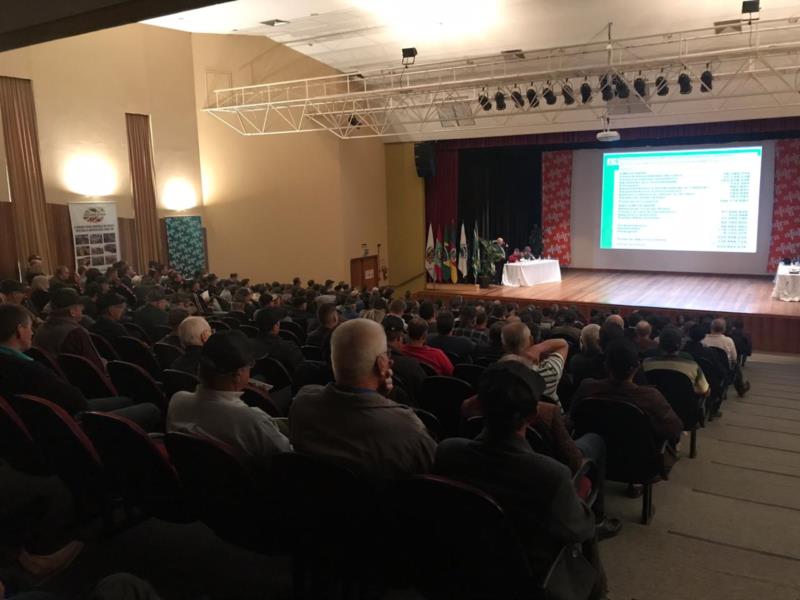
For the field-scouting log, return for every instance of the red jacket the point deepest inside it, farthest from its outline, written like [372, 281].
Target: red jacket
[430, 356]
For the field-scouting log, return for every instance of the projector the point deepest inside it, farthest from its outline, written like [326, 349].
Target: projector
[608, 136]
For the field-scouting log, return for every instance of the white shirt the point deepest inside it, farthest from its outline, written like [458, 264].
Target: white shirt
[223, 416]
[720, 340]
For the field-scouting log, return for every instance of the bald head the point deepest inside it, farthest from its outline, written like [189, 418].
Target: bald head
[356, 346]
[616, 320]
[643, 329]
[718, 326]
[194, 331]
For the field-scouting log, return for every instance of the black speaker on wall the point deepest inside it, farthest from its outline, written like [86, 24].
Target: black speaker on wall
[425, 159]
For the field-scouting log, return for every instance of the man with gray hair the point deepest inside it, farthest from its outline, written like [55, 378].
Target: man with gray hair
[351, 420]
[547, 358]
[717, 339]
[193, 333]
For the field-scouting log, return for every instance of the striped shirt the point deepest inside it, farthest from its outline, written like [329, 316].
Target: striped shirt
[550, 368]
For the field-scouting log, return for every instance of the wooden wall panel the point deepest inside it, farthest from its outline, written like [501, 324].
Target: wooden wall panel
[8, 243]
[127, 241]
[60, 230]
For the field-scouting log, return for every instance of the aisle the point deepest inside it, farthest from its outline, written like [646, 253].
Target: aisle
[727, 524]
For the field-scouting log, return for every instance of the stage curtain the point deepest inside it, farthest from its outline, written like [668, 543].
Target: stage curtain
[441, 191]
[556, 200]
[140, 155]
[785, 237]
[25, 182]
[500, 189]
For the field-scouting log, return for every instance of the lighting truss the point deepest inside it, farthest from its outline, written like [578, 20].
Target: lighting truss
[756, 71]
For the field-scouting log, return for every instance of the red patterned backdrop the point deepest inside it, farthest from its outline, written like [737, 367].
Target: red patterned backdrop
[556, 199]
[785, 240]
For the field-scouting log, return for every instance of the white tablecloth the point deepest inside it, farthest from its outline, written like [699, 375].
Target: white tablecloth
[787, 286]
[523, 274]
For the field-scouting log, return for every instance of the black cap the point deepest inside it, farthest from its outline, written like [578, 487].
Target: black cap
[64, 297]
[227, 351]
[108, 300]
[392, 323]
[155, 294]
[502, 372]
[267, 317]
[9, 286]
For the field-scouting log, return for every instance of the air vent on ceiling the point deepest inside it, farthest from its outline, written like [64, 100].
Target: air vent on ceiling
[275, 22]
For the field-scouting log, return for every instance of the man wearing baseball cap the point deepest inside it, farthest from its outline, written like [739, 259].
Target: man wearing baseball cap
[215, 409]
[268, 321]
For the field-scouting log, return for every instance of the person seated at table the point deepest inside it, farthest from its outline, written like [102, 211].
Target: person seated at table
[516, 255]
[448, 342]
[527, 254]
[417, 348]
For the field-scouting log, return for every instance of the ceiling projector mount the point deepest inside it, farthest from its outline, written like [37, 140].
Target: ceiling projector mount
[607, 135]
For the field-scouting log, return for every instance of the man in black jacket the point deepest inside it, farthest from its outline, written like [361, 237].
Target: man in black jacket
[444, 339]
[271, 344]
[153, 315]
[110, 308]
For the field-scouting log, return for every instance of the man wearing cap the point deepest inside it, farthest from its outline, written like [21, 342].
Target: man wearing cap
[215, 408]
[351, 420]
[110, 308]
[62, 333]
[271, 344]
[153, 315]
[404, 367]
[536, 491]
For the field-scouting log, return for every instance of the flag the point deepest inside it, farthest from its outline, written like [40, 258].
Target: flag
[463, 251]
[476, 253]
[430, 251]
[453, 253]
[446, 255]
[437, 256]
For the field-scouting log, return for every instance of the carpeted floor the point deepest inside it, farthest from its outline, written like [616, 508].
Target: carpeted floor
[727, 524]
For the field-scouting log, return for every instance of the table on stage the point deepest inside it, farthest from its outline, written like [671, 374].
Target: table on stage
[531, 272]
[787, 284]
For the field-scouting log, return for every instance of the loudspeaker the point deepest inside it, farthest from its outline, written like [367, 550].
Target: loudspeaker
[425, 159]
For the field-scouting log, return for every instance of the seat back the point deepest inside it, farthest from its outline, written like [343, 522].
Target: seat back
[104, 347]
[162, 331]
[451, 538]
[311, 352]
[469, 372]
[273, 372]
[166, 354]
[633, 454]
[432, 424]
[139, 466]
[295, 328]
[721, 359]
[177, 381]
[289, 336]
[16, 443]
[249, 330]
[133, 350]
[429, 370]
[714, 376]
[137, 331]
[84, 375]
[218, 325]
[312, 372]
[443, 396]
[258, 398]
[43, 357]
[231, 322]
[134, 382]
[679, 392]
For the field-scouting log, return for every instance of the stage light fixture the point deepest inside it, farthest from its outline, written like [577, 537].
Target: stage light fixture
[640, 85]
[533, 98]
[685, 83]
[517, 99]
[500, 100]
[586, 92]
[662, 86]
[483, 100]
[568, 93]
[623, 91]
[409, 56]
[548, 94]
[706, 80]
[606, 88]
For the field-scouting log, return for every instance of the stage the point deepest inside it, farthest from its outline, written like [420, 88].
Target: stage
[773, 325]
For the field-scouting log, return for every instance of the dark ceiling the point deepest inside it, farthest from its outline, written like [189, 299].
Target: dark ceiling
[29, 22]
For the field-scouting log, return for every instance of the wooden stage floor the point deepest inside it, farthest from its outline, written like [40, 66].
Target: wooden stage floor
[774, 325]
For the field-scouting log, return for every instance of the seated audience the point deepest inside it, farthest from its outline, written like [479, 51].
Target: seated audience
[216, 409]
[404, 367]
[742, 342]
[494, 350]
[669, 342]
[622, 363]
[717, 339]
[62, 278]
[350, 420]
[427, 312]
[40, 295]
[451, 344]
[193, 333]
[418, 349]
[175, 317]
[546, 358]
[467, 325]
[62, 333]
[589, 362]
[536, 491]
[643, 340]
[695, 348]
[397, 308]
[616, 320]
[153, 314]
[328, 318]
[268, 321]
[568, 327]
[376, 311]
[110, 308]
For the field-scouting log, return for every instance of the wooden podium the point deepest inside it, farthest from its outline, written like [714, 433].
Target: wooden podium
[364, 272]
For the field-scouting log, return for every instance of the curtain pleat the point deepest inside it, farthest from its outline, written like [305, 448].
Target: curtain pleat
[18, 113]
[140, 155]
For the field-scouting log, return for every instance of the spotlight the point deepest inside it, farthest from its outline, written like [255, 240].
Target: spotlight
[568, 93]
[483, 100]
[623, 91]
[685, 83]
[354, 121]
[517, 99]
[533, 99]
[586, 92]
[606, 88]
[500, 100]
[706, 80]
[662, 86]
[640, 85]
[409, 56]
[548, 94]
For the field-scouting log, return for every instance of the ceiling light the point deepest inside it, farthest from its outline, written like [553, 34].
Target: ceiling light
[275, 22]
[706, 80]
[533, 99]
[623, 91]
[517, 99]
[606, 88]
[500, 100]
[640, 85]
[586, 92]
[548, 95]
[662, 86]
[568, 93]
[483, 100]
[685, 83]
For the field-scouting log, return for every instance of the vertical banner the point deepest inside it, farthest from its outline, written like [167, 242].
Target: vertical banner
[95, 234]
[185, 245]
[556, 201]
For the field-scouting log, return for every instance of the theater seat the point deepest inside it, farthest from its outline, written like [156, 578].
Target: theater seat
[84, 375]
[133, 350]
[134, 382]
[679, 392]
[443, 396]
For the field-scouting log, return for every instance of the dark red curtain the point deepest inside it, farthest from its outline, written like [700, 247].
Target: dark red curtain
[441, 191]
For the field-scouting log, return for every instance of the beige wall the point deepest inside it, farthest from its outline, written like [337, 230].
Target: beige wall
[281, 205]
[83, 87]
[405, 200]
